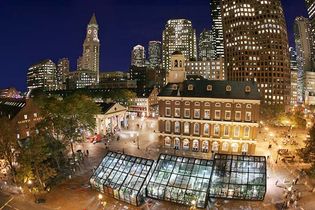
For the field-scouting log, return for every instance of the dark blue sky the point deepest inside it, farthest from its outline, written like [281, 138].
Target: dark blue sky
[32, 30]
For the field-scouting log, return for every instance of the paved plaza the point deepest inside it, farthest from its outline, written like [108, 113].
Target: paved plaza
[75, 194]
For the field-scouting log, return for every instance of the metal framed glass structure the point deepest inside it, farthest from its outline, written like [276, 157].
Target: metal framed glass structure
[180, 180]
[238, 177]
[122, 176]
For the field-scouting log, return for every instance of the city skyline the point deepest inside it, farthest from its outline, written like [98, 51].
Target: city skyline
[65, 24]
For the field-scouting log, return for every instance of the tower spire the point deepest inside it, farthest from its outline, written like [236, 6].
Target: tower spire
[93, 20]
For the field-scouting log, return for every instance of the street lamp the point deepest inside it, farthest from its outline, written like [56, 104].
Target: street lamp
[100, 198]
[193, 205]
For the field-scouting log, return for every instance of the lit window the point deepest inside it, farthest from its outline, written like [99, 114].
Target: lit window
[167, 111]
[167, 126]
[238, 116]
[227, 115]
[35, 114]
[207, 114]
[187, 113]
[196, 113]
[216, 130]
[206, 129]
[25, 117]
[248, 106]
[187, 103]
[236, 131]
[177, 127]
[248, 116]
[186, 128]
[217, 114]
[238, 106]
[217, 105]
[177, 112]
[226, 130]
[246, 131]
[196, 128]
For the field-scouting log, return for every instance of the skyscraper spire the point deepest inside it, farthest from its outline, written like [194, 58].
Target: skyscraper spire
[93, 20]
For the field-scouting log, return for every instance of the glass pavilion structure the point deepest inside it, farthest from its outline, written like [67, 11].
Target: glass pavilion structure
[122, 176]
[238, 177]
[181, 180]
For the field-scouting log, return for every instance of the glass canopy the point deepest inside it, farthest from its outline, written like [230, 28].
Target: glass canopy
[238, 177]
[180, 180]
[123, 177]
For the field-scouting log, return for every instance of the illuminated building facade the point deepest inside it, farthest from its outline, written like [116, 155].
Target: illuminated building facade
[63, 69]
[138, 56]
[178, 35]
[294, 76]
[206, 50]
[256, 47]
[212, 69]
[90, 58]
[303, 50]
[42, 75]
[310, 4]
[155, 54]
[217, 29]
[81, 79]
[206, 116]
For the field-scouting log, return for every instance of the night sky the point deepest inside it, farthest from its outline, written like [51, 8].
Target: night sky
[32, 30]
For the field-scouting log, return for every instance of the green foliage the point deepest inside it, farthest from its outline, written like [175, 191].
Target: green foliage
[308, 152]
[8, 145]
[34, 163]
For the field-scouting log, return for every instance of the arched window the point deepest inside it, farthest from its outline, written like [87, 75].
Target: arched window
[228, 88]
[186, 144]
[238, 106]
[245, 148]
[246, 131]
[205, 146]
[207, 104]
[180, 64]
[228, 105]
[195, 145]
[215, 147]
[177, 127]
[176, 63]
[190, 87]
[176, 143]
[167, 141]
[167, 126]
[234, 147]
[248, 106]
[196, 128]
[216, 130]
[206, 129]
[225, 146]
[209, 87]
[186, 127]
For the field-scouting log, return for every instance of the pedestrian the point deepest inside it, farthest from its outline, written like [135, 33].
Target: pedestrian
[87, 153]
[118, 137]
[297, 179]
[123, 150]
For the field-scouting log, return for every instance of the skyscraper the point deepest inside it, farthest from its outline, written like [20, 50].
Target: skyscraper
[206, 47]
[256, 47]
[294, 76]
[155, 53]
[310, 4]
[217, 29]
[91, 49]
[178, 35]
[42, 75]
[138, 56]
[303, 50]
[63, 68]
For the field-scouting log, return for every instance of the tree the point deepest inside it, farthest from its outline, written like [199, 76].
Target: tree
[34, 163]
[8, 145]
[308, 152]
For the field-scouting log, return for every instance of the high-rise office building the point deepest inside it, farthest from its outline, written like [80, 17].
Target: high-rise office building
[155, 53]
[90, 58]
[63, 69]
[178, 35]
[217, 29]
[310, 4]
[138, 56]
[303, 50]
[206, 49]
[42, 75]
[293, 59]
[256, 47]
[294, 76]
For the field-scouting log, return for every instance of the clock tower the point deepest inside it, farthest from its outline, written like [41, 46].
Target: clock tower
[91, 48]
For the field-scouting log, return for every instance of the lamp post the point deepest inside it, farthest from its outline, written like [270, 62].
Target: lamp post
[102, 202]
[193, 205]
[31, 188]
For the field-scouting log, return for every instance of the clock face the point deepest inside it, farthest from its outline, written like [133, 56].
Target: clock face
[95, 31]
[89, 31]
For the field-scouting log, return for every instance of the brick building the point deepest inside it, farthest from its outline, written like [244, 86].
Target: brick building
[203, 116]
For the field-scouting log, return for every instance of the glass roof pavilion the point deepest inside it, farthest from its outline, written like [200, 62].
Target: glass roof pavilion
[122, 176]
[238, 177]
[180, 180]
